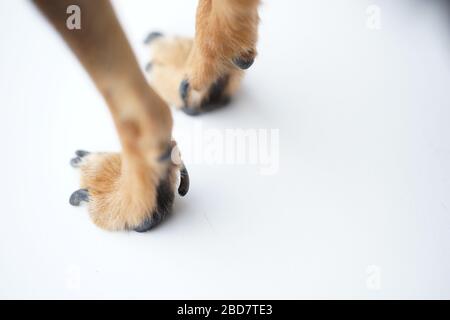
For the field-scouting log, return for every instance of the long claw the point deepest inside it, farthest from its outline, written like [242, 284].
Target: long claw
[82, 153]
[152, 36]
[79, 196]
[183, 188]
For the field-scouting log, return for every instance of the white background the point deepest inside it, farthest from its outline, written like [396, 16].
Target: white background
[360, 207]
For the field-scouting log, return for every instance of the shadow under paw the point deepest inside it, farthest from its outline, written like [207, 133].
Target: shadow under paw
[216, 97]
[164, 201]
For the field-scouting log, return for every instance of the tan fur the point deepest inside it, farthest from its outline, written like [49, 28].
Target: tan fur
[123, 187]
[169, 57]
[111, 191]
[225, 29]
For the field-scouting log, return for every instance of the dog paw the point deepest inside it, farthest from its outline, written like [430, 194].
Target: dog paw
[122, 199]
[169, 73]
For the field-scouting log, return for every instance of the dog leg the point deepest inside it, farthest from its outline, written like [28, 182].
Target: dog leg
[134, 189]
[200, 74]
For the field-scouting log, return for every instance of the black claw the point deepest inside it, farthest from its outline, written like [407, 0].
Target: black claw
[243, 63]
[184, 90]
[184, 182]
[152, 36]
[82, 153]
[79, 196]
[75, 162]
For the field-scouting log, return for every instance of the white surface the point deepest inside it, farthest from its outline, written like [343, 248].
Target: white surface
[363, 180]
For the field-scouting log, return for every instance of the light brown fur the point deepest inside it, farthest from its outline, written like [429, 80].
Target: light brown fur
[225, 30]
[168, 67]
[112, 190]
[124, 188]
[169, 58]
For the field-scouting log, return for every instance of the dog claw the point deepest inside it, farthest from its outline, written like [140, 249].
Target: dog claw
[79, 196]
[243, 63]
[184, 93]
[245, 60]
[183, 188]
[184, 90]
[152, 36]
[75, 162]
[80, 154]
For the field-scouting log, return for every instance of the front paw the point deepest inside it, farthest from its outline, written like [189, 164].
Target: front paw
[184, 81]
[119, 201]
